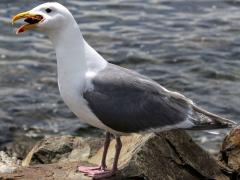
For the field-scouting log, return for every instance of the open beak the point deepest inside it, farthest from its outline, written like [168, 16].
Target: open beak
[32, 21]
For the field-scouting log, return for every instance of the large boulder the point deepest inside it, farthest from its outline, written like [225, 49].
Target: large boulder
[167, 156]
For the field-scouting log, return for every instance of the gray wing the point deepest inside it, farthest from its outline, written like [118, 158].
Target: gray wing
[129, 102]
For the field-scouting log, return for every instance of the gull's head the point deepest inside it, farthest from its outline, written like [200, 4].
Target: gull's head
[47, 17]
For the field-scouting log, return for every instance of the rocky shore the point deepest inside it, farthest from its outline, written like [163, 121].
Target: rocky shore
[167, 156]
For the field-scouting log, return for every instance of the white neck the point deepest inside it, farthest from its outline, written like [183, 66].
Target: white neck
[69, 46]
[76, 59]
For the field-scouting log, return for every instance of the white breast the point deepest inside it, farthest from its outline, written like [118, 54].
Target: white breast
[71, 93]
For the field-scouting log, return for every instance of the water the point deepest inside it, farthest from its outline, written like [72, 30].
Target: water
[188, 46]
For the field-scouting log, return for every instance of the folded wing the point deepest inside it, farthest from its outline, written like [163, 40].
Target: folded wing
[129, 102]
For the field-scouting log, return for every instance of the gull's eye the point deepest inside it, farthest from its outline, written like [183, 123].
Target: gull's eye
[48, 10]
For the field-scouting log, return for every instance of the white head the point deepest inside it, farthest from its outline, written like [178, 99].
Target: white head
[47, 17]
[58, 23]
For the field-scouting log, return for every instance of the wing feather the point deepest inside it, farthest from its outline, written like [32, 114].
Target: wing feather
[129, 102]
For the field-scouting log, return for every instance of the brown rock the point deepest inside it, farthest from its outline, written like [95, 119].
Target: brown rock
[20, 146]
[166, 156]
[57, 171]
[58, 149]
[230, 151]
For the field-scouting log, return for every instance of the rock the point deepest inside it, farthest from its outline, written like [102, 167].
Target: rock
[8, 164]
[230, 152]
[5, 168]
[60, 149]
[20, 146]
[57, 171]
[166, 156]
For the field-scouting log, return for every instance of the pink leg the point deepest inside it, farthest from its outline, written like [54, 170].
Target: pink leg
[103, 165]
[106, 174]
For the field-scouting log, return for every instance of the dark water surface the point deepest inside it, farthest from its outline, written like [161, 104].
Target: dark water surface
[188, 46]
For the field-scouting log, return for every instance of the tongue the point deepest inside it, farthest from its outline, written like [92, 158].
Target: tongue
[25, 27]
[20, 30]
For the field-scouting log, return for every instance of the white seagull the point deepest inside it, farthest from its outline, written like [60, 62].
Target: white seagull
[110, 97]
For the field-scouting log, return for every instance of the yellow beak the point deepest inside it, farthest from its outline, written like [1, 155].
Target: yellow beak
[20, 16]
[29, 26]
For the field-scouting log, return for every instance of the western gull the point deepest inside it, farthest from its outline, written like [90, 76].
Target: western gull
[107, 96]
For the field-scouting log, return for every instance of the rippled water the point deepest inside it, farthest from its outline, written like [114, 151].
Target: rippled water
[188, 46]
